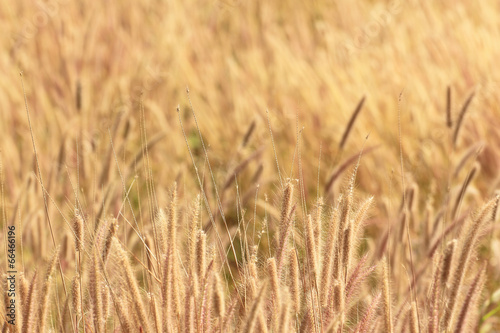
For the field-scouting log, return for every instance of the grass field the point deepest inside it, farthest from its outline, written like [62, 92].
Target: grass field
[250, 166]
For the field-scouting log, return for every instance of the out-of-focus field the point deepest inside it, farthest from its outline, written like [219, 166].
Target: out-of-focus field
[299, 68]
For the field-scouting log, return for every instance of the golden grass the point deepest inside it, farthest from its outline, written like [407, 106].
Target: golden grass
[173, 230]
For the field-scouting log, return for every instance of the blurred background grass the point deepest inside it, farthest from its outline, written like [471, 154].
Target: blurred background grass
[85, 65]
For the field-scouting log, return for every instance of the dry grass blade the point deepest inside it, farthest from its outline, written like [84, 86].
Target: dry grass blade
[449, 122]
[342, 167]
[248, 134]
[351, 122]
[473, 150]
[461, 118]
[445, 233]
[149, 145]
[468, 179]
[240, 167]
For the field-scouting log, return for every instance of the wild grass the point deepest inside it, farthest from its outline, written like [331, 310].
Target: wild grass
[316, 276]
[139, 207]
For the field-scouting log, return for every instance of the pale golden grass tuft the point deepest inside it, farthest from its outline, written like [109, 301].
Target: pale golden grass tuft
[346, 250]
[190, 317]
[414, 324]
[286, 207]
[106, 301]
[113, 227]
[387, 299]
[124, 316]
[173, 253]
[339, 298]
[329, 254]
[251, 279]
[24, 287]
[334, 326]
[295, 287]
[360, 216]
[368, 317]
[29, 309]
[94, 286]
[206, 299]
[167, 289]
[312, 260]
[274, 297]
[318, 225]
[462, 261]
[201, 252]
[132, 286]
[256, 309]
[219, 298]
[283, 323]
[465, 317]
[155, 309]
[45, 293]
[435, 293]
[193, 227]
[76, 296]
[160, 228]
[79, 231]
[446, 261]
